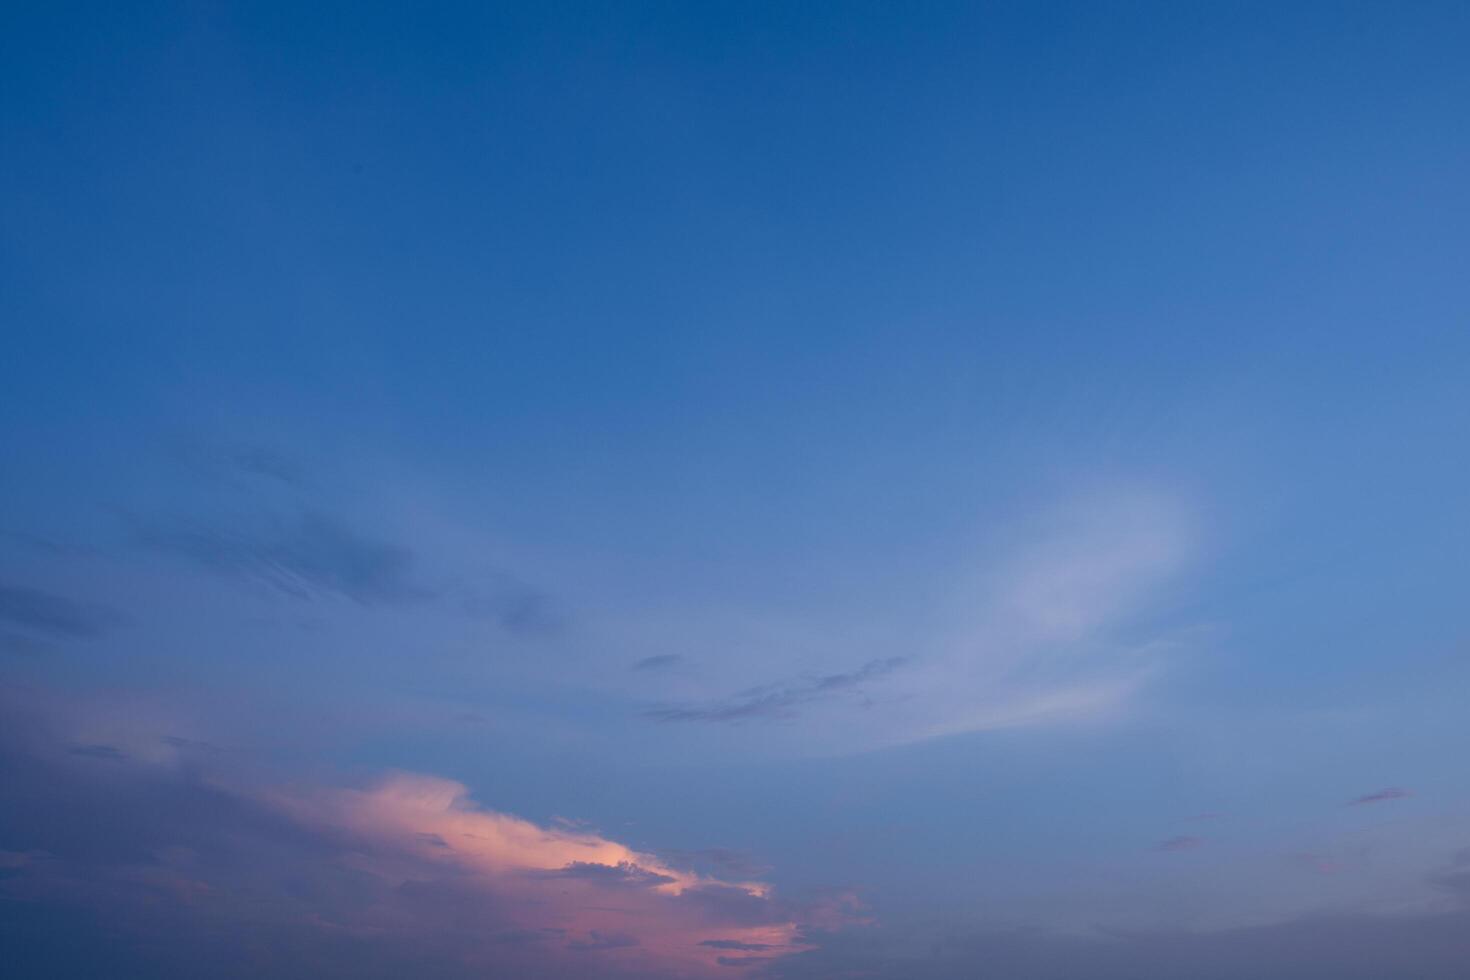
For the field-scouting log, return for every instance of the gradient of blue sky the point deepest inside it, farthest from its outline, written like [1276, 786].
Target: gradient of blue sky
[993, 473]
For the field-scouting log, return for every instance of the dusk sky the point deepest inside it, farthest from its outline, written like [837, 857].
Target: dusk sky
[908, 491]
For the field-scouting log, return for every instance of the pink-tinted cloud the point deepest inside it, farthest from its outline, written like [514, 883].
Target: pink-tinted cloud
[193, 862]
[604, 898]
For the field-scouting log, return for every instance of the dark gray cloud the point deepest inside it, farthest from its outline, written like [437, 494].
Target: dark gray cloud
[736, 945]
[603, 940]
[730, 904]
[1456, 878]
[301, 557]
[515, 607]
[1392, 793]
[55, 615]
[658, 662]
[624, 874]
[777, 700]
[314, 554]
[281, 537]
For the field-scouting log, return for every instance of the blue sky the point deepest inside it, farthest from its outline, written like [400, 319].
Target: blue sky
[903, 488]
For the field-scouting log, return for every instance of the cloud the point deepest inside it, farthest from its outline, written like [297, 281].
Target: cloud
[727, 860]
[600, 940]
[658, 662]
[1090, 561]
[624, 873]
[55, 615]
[306, 554]
[1181, 844]
[228, 461]
[194, 870]
[1392, 793]
[735, 944]
[777, 701]
[516, 607]
[108, 752]
[300, 557]
[1051, 624]
[1456, 879]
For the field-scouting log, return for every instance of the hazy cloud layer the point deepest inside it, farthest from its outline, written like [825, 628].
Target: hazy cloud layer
[1434, 946]
[658, 662]
[1181, 844]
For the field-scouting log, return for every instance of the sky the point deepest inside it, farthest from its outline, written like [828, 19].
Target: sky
[657, 490]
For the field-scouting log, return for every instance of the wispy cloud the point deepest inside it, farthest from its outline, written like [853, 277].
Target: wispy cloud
[1054, 630]
[55, 615]
[109, 753]
[737, 945]
[516, 607]
[778, 700]
[303, 556]
[228, 461]
[1381, 796]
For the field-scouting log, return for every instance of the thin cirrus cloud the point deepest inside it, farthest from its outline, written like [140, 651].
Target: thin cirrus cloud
[310, 555]
[301, 556]
[1057, 632]
[231, 462]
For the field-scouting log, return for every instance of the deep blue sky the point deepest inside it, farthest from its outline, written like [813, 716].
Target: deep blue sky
[992, 474]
